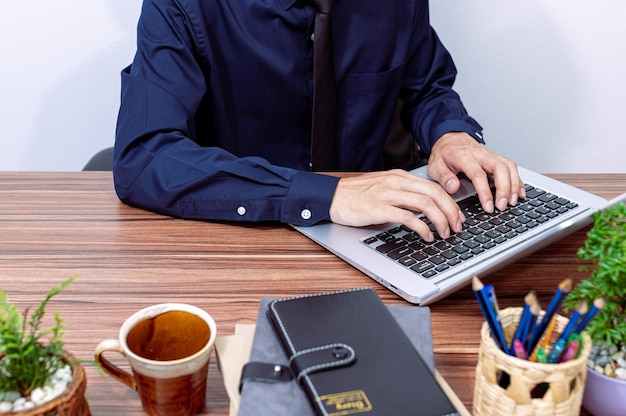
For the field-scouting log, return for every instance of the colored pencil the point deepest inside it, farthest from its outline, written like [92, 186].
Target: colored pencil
[490, 291]
[522, 327]
[557, 350]
[518, 349]
[580, 310]
[490, 315]
[545, 342]
[571, 351]
[597, 306]
[563, 290]
[534, 313]
[541, 356]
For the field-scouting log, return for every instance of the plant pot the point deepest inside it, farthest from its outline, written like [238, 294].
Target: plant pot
[604, 396]
[71, 402]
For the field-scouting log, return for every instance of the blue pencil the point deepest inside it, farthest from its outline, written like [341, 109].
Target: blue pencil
[490, 292]
[535, 308]
[490, 315]
[598, 304]
[563, 290]
[579, 311]
[522, 326]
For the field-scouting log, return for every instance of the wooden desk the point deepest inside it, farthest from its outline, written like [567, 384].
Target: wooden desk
[55, 224]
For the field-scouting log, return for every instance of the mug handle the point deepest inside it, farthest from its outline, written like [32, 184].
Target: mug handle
[110, 368]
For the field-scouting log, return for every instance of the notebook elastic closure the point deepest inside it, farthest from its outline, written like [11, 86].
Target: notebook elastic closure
[303, 363]
[265, 373]
[321, 358]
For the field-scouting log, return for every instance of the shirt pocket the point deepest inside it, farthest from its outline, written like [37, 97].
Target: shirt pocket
[370, 105]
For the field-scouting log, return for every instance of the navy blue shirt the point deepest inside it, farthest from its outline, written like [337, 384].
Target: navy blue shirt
[215, 114]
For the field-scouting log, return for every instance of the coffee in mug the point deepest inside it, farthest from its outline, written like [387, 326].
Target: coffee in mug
[168, 348]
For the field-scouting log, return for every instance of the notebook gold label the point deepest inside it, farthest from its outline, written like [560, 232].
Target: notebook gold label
[348, 403]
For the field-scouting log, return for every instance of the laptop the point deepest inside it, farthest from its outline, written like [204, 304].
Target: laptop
[422, 272]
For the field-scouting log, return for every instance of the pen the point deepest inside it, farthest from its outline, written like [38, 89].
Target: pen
[579, 311]
[490, 316]
[564, 288]
[598, 304]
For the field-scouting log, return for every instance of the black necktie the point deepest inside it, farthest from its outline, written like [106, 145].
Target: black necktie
[323, 147]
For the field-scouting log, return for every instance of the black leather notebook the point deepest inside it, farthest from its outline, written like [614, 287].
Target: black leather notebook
[351, 356]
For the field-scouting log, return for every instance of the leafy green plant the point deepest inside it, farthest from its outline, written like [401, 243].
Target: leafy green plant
[605, 249]
[30, 354]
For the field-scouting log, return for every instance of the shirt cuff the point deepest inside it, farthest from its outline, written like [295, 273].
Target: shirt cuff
[309, 198]
[472, 129]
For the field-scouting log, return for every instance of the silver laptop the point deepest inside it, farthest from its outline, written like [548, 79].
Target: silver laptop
[423, 272]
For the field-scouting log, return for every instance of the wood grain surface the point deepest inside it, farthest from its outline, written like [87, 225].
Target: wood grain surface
[55, 224]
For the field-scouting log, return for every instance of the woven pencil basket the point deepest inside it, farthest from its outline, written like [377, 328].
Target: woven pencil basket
[560, 386]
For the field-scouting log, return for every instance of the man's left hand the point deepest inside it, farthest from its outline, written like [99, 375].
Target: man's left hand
[455, 153]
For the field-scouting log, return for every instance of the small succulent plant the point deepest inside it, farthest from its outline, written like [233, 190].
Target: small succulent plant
[29, 354]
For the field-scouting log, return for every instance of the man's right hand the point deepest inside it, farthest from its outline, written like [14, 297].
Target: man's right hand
[395, 196]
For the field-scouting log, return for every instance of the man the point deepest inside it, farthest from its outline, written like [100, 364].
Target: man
[215, 117]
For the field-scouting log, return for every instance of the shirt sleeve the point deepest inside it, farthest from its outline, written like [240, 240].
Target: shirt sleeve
[157, 166]
[432, 107]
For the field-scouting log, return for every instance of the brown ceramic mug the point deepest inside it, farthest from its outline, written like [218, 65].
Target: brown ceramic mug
[168, 347]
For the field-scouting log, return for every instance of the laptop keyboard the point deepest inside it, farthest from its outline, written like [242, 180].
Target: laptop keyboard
[481, 233]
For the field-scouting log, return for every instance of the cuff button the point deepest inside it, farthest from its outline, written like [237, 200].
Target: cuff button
[306, 214]
[241, 211]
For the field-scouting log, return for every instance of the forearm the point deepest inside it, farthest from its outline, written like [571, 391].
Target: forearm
[189, 181]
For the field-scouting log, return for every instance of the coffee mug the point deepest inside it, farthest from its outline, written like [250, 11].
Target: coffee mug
[168, 347]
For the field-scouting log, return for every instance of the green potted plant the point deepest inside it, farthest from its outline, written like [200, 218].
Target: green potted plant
[37, 375]
[605, 253]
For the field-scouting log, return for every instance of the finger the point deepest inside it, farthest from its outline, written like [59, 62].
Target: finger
[509, 185]
[505, 177]
[397, 215]
[437, 218]
[504, 189]
[519, 183]
[416, 224]
[395, 196]
[441, 172]
[432, 200]
[480, 181]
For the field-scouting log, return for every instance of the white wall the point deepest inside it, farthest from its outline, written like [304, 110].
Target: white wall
[545, 78]
[59, 79]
